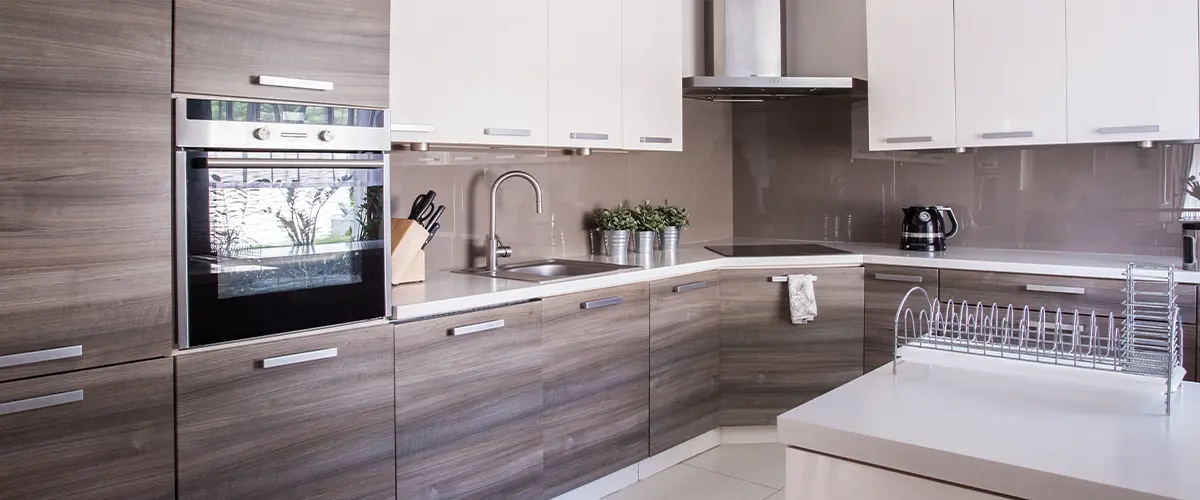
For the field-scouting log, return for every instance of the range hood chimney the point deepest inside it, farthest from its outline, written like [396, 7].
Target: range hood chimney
[747, 57]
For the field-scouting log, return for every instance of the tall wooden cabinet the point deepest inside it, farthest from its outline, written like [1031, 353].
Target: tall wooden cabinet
[596, 377]
[85, 184]
[685, 357]
[769, 365]
[469, 405]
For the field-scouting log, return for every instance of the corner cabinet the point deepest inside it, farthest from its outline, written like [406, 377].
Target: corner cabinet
[652, 68]
[324, 51]
[769, 365]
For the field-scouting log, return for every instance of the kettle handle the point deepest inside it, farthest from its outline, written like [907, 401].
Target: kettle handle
[953, 221]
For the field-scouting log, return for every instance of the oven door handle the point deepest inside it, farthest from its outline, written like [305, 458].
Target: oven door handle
[290, 163]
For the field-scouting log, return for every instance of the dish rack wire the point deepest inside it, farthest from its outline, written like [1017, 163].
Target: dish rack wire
[1147, 343]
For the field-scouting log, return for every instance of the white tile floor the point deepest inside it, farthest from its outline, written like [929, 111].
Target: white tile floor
[727, 472]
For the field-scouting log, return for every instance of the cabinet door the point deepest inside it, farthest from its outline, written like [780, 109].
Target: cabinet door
[468, 422]
[685, 347]
[324, 51]
[85, 184]
[97, 434]
[651, 56]
[1133, 72]
[596, 350]
[910, 62]
[585, 73]
[884, 289]
[310, 417]
[1010, 90]
[469, 71]
[769, 365]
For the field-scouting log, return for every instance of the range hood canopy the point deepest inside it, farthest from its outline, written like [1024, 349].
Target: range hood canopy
[747, 57]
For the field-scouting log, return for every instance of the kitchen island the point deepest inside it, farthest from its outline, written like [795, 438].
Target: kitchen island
[938, 432]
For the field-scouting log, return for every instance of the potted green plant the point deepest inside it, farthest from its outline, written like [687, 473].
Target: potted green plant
[674, 219]
[649, 221]
[615, 225]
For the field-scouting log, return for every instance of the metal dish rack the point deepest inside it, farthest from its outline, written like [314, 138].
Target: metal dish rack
[1148, 342]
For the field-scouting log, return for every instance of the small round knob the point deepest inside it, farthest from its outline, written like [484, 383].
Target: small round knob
[325, 135]
[262, 133]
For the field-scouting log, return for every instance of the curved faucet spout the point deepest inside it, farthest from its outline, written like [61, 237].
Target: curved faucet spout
[493, 240]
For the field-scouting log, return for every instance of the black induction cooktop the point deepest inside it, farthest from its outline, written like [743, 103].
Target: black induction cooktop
[774, 250]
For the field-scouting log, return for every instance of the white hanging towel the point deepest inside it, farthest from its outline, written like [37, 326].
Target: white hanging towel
[802, 298]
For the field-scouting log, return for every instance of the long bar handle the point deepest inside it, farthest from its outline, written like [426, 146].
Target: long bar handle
[597, 304]
[687, 287]
[293, 83]
[1065, 290]
[269, 162]
[1133, 129]
[27, 358]
[589, 136]
[303, 357]
[907, 140]
[508, 132]
[40, 402]
[783, 279]
[899, 277]
[1024, 134]
[657, 140]
[477, 328]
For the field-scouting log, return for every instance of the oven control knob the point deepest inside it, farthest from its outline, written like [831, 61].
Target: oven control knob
[262, 133]
[325, 135]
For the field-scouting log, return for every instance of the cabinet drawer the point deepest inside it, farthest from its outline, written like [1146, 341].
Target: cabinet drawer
[301, 51]
[1051, 292]
[96, 434]
[884, 288]
[685, 357]
[310, 417]
[769, 365]
[468, 422]
[596, 352]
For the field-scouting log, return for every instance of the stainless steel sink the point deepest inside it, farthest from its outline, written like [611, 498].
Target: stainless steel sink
[545, 271]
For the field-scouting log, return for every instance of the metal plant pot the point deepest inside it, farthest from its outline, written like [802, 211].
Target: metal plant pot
[616, 242]
[668, 239]
[645, 242]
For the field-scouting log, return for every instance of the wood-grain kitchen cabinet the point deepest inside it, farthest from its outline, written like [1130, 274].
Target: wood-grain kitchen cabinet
[468, 418]
[85, 184]
[1115, 47]
[99, 434]
[769, 365]
[596, 355]
[585, 73]
[884, 288]
[685, 356]
[651, 68]
[309, 417]
[1191, 355]
[322, 51]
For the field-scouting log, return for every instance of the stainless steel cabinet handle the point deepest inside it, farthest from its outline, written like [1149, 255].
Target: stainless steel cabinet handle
[413, 127]
[779, 279]
[905, 140]
[302, 357]
[588, 136]
[283, 163]
[1134, 129]
[481, 327]
[898, 277]
[40, 402]
[293, 83]
[27, 358]
[687, 287]
[1066, 290]
[657, 140]
[1024, 134]
[509, 132]
[597, 304]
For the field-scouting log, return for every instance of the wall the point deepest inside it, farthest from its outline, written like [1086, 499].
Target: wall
[697, 179]
[802, 171]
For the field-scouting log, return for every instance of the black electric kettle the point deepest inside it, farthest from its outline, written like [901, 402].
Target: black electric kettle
[925, 230]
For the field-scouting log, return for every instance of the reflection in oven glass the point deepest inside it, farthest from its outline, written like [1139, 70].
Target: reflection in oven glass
[279, 230]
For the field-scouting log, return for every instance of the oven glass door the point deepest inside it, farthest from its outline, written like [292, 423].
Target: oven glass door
[282, 242]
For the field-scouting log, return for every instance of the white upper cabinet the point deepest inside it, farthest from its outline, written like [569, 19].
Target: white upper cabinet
[469, 71]
[652, 65]
[910, 65]
[1133, 72]
[1010, 72]
[585, 73]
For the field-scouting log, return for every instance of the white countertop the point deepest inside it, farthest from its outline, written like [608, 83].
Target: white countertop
[1023, 437]
[445, 292]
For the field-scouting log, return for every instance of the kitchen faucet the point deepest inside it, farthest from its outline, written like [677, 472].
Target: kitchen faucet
[495, 248]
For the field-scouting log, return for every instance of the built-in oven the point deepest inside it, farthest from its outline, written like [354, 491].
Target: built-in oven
[281, 217]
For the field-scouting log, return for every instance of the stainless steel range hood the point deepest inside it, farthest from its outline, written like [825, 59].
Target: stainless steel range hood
[747, 57]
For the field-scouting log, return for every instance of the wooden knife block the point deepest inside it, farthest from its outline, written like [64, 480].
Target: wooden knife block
[408, 260]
